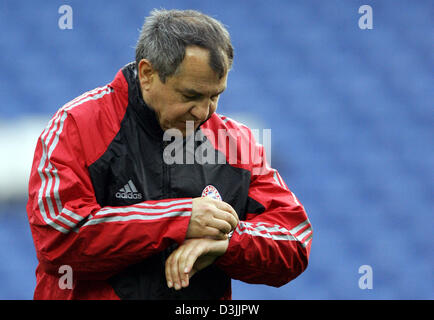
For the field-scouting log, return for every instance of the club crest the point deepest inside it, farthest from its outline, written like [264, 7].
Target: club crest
[211, 191]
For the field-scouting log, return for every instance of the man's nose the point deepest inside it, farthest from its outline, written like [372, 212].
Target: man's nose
[201, 110]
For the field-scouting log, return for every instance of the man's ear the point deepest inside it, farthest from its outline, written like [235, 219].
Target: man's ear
[146, 74]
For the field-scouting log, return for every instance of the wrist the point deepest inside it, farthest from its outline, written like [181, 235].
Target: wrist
[221, 246]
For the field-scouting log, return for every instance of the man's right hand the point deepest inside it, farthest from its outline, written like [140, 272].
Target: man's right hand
[211, 218]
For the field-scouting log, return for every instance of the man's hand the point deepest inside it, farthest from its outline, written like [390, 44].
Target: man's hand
[192, 256]
[211, 218]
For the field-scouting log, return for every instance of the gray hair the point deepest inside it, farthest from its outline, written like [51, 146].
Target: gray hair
[167, 33]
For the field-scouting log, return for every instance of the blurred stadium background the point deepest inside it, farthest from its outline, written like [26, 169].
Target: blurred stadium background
[351, 113]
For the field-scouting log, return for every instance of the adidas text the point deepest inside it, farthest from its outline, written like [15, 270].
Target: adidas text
[128, 195]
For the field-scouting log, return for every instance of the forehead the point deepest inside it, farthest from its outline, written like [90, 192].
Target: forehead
[196, 74]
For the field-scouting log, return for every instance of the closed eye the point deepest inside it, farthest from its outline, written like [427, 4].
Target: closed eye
[191, 98]
[192, 95]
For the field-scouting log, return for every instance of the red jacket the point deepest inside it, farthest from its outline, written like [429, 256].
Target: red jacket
[103, 202]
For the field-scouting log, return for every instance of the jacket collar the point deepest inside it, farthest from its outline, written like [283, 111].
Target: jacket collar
[146, 116]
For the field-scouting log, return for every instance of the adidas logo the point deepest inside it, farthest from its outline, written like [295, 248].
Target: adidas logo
[129, 191]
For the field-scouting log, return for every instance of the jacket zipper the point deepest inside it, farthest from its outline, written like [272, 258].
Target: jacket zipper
[166, 173]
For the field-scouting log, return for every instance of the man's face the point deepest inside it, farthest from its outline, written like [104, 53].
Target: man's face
[191, 94]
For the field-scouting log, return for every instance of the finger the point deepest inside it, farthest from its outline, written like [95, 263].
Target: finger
[226, 207]
[172, 267]
[169, 279]
[218, 222]
[191, 259]
[182, 265]
[213, 233]
[221, 215]
[170, 261]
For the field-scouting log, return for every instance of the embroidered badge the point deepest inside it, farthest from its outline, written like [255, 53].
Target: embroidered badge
[211, 191]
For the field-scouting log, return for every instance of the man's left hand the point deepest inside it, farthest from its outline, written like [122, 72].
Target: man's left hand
[192, 256]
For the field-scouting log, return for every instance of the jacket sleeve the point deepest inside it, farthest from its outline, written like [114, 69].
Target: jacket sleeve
[272, 245]
[70, 228]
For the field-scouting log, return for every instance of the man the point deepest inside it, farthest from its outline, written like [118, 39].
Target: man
[105, 201]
